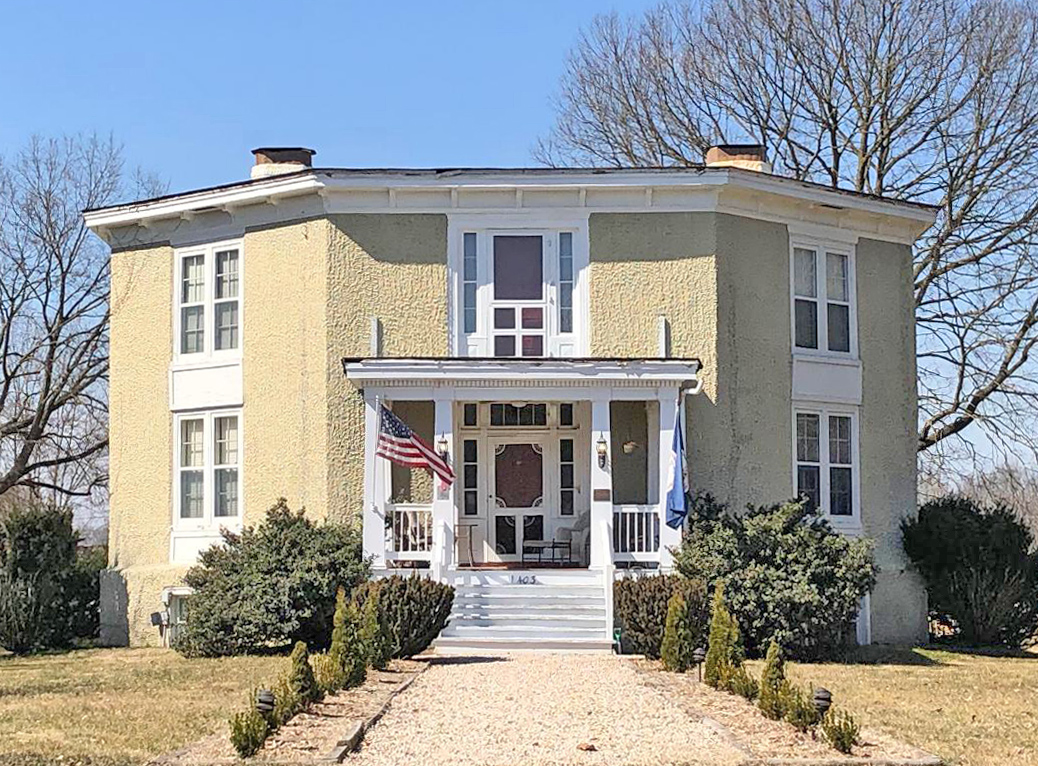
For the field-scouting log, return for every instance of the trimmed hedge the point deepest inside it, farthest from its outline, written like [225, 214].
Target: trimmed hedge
[413, 611]
[640, 606]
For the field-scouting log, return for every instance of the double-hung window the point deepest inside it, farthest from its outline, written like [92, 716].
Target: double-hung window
[826, 461]
[823, 310]
[208, 294]
[207, 456]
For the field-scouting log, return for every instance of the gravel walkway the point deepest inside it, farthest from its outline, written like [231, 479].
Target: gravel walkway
[538, 709]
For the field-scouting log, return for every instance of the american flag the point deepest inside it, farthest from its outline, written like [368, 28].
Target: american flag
[401, 445]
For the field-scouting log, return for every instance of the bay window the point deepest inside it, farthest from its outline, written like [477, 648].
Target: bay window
[825, 455]
[208, 296]
[207, 459]
[823, 310]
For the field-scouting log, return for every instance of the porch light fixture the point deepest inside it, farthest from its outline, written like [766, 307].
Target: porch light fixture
[823, 700]
[603, 450]
[441, 445]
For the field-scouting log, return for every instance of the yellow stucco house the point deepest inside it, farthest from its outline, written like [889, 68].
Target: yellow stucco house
[547, 330]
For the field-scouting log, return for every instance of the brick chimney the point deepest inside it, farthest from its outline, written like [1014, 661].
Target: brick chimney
[746, 156]
[277, 160]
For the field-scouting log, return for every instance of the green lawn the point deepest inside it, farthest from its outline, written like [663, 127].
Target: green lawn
[117, 706]
[971, 709]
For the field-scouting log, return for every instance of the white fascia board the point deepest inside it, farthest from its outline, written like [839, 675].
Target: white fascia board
[589, 372]
[142, 213]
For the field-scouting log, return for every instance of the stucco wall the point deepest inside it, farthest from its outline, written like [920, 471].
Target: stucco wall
[284, 368]
[888, 433]
[140, 433]
[393, 267]
[714, 278]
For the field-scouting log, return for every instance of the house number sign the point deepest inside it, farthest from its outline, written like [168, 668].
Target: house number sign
[523, 579]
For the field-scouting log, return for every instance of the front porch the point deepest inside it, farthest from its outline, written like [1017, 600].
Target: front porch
[559, 464]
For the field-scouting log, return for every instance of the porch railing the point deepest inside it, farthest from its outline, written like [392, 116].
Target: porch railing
[409, 532]
[636, 533]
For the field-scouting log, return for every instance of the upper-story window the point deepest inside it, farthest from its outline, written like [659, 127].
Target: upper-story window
[823, 299]
[208, 296]
[518, 293]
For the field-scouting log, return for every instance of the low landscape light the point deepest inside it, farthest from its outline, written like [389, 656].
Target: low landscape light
[823, 699]
[265, 702]
[698, 658]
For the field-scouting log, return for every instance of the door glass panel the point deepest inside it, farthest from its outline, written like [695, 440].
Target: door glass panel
[519, 476]
[504, 319]
[533, 527]
[504, 345]
[518, 268]
[533, 345]
[504, 535]
[533, 318]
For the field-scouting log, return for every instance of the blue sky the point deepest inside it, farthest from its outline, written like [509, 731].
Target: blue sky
[190, 87]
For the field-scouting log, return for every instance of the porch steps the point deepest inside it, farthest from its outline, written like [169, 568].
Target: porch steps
[537, 610]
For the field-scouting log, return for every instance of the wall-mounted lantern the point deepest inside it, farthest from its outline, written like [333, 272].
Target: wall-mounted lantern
[603, 451]
[441, 445]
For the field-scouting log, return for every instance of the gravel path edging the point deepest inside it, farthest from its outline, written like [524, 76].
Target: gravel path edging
[358, 728]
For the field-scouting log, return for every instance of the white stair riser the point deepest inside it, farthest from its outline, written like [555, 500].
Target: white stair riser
[505, 645]
[527, 634]
[528, 623]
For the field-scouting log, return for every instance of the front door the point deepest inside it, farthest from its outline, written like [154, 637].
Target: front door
[518, 485]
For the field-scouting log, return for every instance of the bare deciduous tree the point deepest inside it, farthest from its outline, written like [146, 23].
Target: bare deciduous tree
[923, 100]
[54, 283]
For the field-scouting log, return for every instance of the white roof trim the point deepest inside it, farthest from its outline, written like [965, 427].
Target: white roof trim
[495, 373]
[326, 183]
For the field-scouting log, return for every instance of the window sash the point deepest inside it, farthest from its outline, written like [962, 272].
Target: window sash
[208, 456]
[823, 311]
[825, 461]
[208, 298]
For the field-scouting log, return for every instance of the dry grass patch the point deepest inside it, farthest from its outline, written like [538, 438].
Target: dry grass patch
[117, 706]
[971, 709]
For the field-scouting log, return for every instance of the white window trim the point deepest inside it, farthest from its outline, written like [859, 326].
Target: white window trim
[209, 355]
[850, 523]
[208, 522]
[486, 226]
[822, 246]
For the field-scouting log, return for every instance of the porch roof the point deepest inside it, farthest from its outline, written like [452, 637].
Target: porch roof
[496, 372]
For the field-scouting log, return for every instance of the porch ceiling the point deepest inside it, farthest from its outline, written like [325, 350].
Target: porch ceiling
[473, 372]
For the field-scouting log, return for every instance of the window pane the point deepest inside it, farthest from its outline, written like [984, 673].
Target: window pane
[839, 327]
[566, 307]
[518, 268]
[566, 450]
[533, 318]
[226, 492]
[226, 325]
[227, 274]
[807, 437]
[836, 277]
[840, 492]
[471, 508]
[193, 279]
[806, 324]
[192, 330]
[504, 319]
[805, 276]
[533, 345]
[566, 476]
[471, 476]
[808, 484]
[566, 415]
[504, 345]
[840, 440]
[470, 256]
[191, 443]
[226, 440]
[470, 451]
[566, 506]
[470, 418]
[191, 494]
[470, 307]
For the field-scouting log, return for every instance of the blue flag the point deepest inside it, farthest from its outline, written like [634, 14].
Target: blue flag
[677, 507]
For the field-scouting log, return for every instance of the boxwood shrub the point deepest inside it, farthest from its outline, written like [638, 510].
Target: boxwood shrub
[413, 611]
[640, 606]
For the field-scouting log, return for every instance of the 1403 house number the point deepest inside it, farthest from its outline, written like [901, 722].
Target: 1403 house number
[526, 579]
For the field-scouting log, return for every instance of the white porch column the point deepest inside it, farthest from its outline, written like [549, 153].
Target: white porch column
[374, 535]
[443, 498]
[601, 529]
[669, 538]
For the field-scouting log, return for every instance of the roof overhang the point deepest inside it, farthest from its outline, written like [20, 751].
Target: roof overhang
[400, 190]
[513, 373]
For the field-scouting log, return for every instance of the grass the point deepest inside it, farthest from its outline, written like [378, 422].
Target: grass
[112, 707]
[972, 709]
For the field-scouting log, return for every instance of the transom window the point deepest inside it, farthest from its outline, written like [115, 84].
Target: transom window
[208, 460]
[208, 297]
[822, 306]
[826, 446]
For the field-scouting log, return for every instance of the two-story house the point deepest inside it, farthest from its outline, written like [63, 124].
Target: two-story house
[546, 330]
